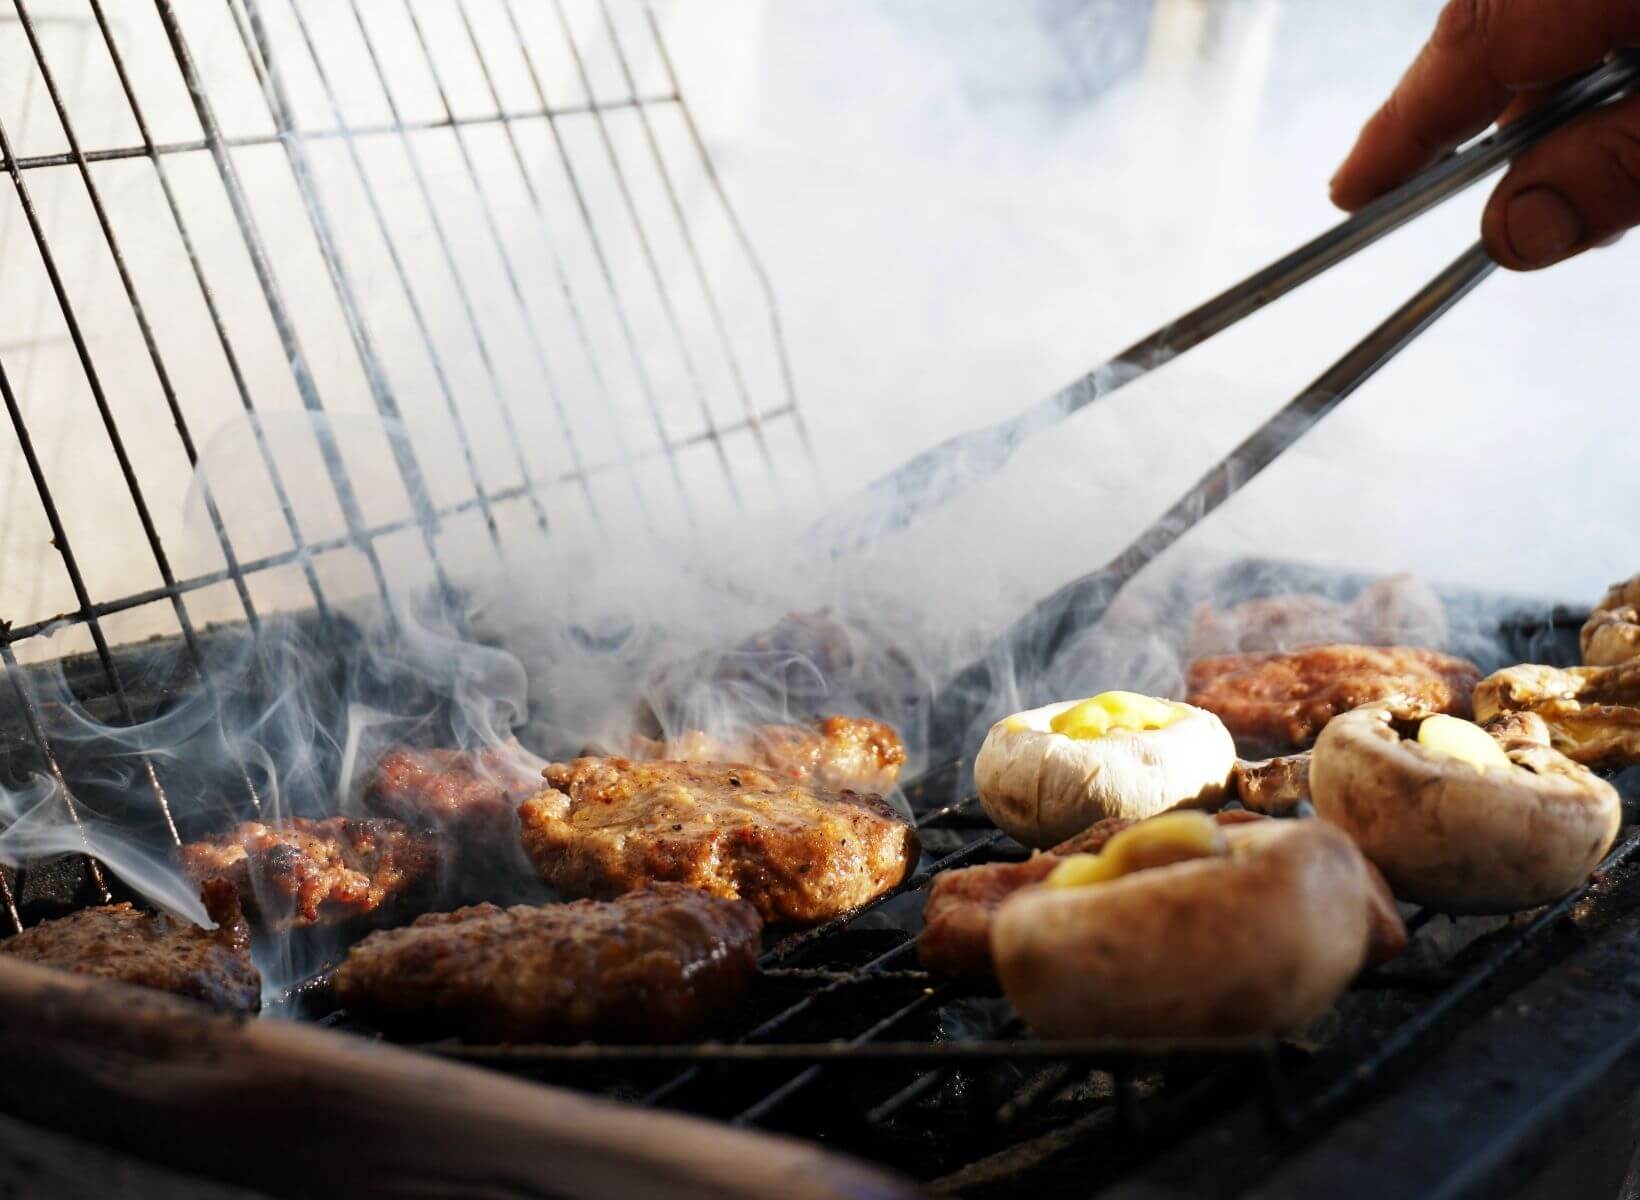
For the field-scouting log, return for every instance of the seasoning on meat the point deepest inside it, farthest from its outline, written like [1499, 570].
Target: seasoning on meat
[659, 964]
[154, 950]
[1281, 701]
[302, 872]
[474, 793]
[797, 851]
[836, 752]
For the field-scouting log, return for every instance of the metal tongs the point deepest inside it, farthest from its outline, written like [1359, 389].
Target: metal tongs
[935, 475]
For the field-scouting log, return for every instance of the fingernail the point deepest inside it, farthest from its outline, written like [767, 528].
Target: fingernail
[1541, 226]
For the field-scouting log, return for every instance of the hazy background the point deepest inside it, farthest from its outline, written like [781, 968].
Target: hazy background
[961, 205]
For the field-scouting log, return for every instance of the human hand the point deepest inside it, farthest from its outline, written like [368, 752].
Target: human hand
[1491, 60]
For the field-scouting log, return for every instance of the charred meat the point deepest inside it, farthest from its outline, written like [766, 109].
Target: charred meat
[797, 851]
[835, 752]
[301, 872]
[1281, 701]
[657, 964]
[473, 793]
[154, 950]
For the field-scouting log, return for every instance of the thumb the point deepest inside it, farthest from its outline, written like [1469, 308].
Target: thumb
[1576, 189]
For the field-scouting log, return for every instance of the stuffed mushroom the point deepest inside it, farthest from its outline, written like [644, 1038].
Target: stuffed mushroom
[1047, 774]
[1246, 929]
[1456, 819]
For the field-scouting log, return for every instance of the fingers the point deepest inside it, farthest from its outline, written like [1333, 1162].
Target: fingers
[1482, 53]
[1578, 188]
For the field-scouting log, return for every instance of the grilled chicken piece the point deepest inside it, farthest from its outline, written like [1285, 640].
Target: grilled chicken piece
[300, 872]
[472, 793]
[657, 964]
[956, 934]
[797, 851]
[1397, 610]
[1281, 701]
[154, 950]
[1592, 714]
[835, 752]
[1273, 786]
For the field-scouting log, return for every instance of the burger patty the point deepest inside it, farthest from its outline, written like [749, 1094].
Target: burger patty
[836, 752]
[795, 850]
[1282, 701]
[956, 935]
[1394, 611]
[154, 950]
[657, 964]
[474, 793]
[300, 872]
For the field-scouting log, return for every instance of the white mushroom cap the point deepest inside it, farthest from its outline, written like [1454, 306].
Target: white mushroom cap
[1447, 834]
[1042, 787]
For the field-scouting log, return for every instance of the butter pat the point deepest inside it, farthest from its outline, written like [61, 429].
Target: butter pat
[1168, 838]
[1451, 737]
[1095, 717]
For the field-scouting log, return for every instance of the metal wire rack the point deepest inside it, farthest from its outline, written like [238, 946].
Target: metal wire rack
[456, 273]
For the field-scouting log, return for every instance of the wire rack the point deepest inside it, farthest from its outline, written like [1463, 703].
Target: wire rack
[313, 301]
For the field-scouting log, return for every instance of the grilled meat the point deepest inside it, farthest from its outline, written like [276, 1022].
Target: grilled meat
[1397, 610]
[1592, 714]
[1281, 701]
[797, 851]
[1273, 786]
[956, 934]
[300, 872]
[473, 793]
[154, 950]
[656, 964]
[836, 752]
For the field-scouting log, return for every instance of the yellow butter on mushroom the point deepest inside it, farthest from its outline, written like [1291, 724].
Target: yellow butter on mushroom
[1098, 715]
[1168, 838]
[1452, 737]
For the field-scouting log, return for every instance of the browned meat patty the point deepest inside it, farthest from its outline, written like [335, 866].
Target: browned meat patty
[1273, 786]
[657, 964]
[797, 851]
[1281, 701]
[474, 793]
[836, 752]
[154, 950]
[956, 934]
[302, 872]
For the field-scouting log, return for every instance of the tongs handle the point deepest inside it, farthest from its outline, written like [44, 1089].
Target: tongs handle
[1384, 215]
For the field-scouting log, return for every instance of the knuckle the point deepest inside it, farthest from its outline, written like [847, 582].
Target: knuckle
[1464, 23]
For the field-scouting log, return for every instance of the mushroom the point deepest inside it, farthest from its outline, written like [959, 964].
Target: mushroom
[1611, 635]
[1049, 773]
[1455, 819]
[1592, 713]
[1252, 929]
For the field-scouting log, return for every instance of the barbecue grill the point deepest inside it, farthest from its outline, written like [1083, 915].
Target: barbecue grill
[586, 271]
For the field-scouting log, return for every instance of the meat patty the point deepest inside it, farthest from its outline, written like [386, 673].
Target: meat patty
[473, 793]
[154, 950]
[797, 851]
[300, 872]
[1282, 701]
[956, 935]
[1273, 786]
[1396, 610]
[657, 964]
[836, 752]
